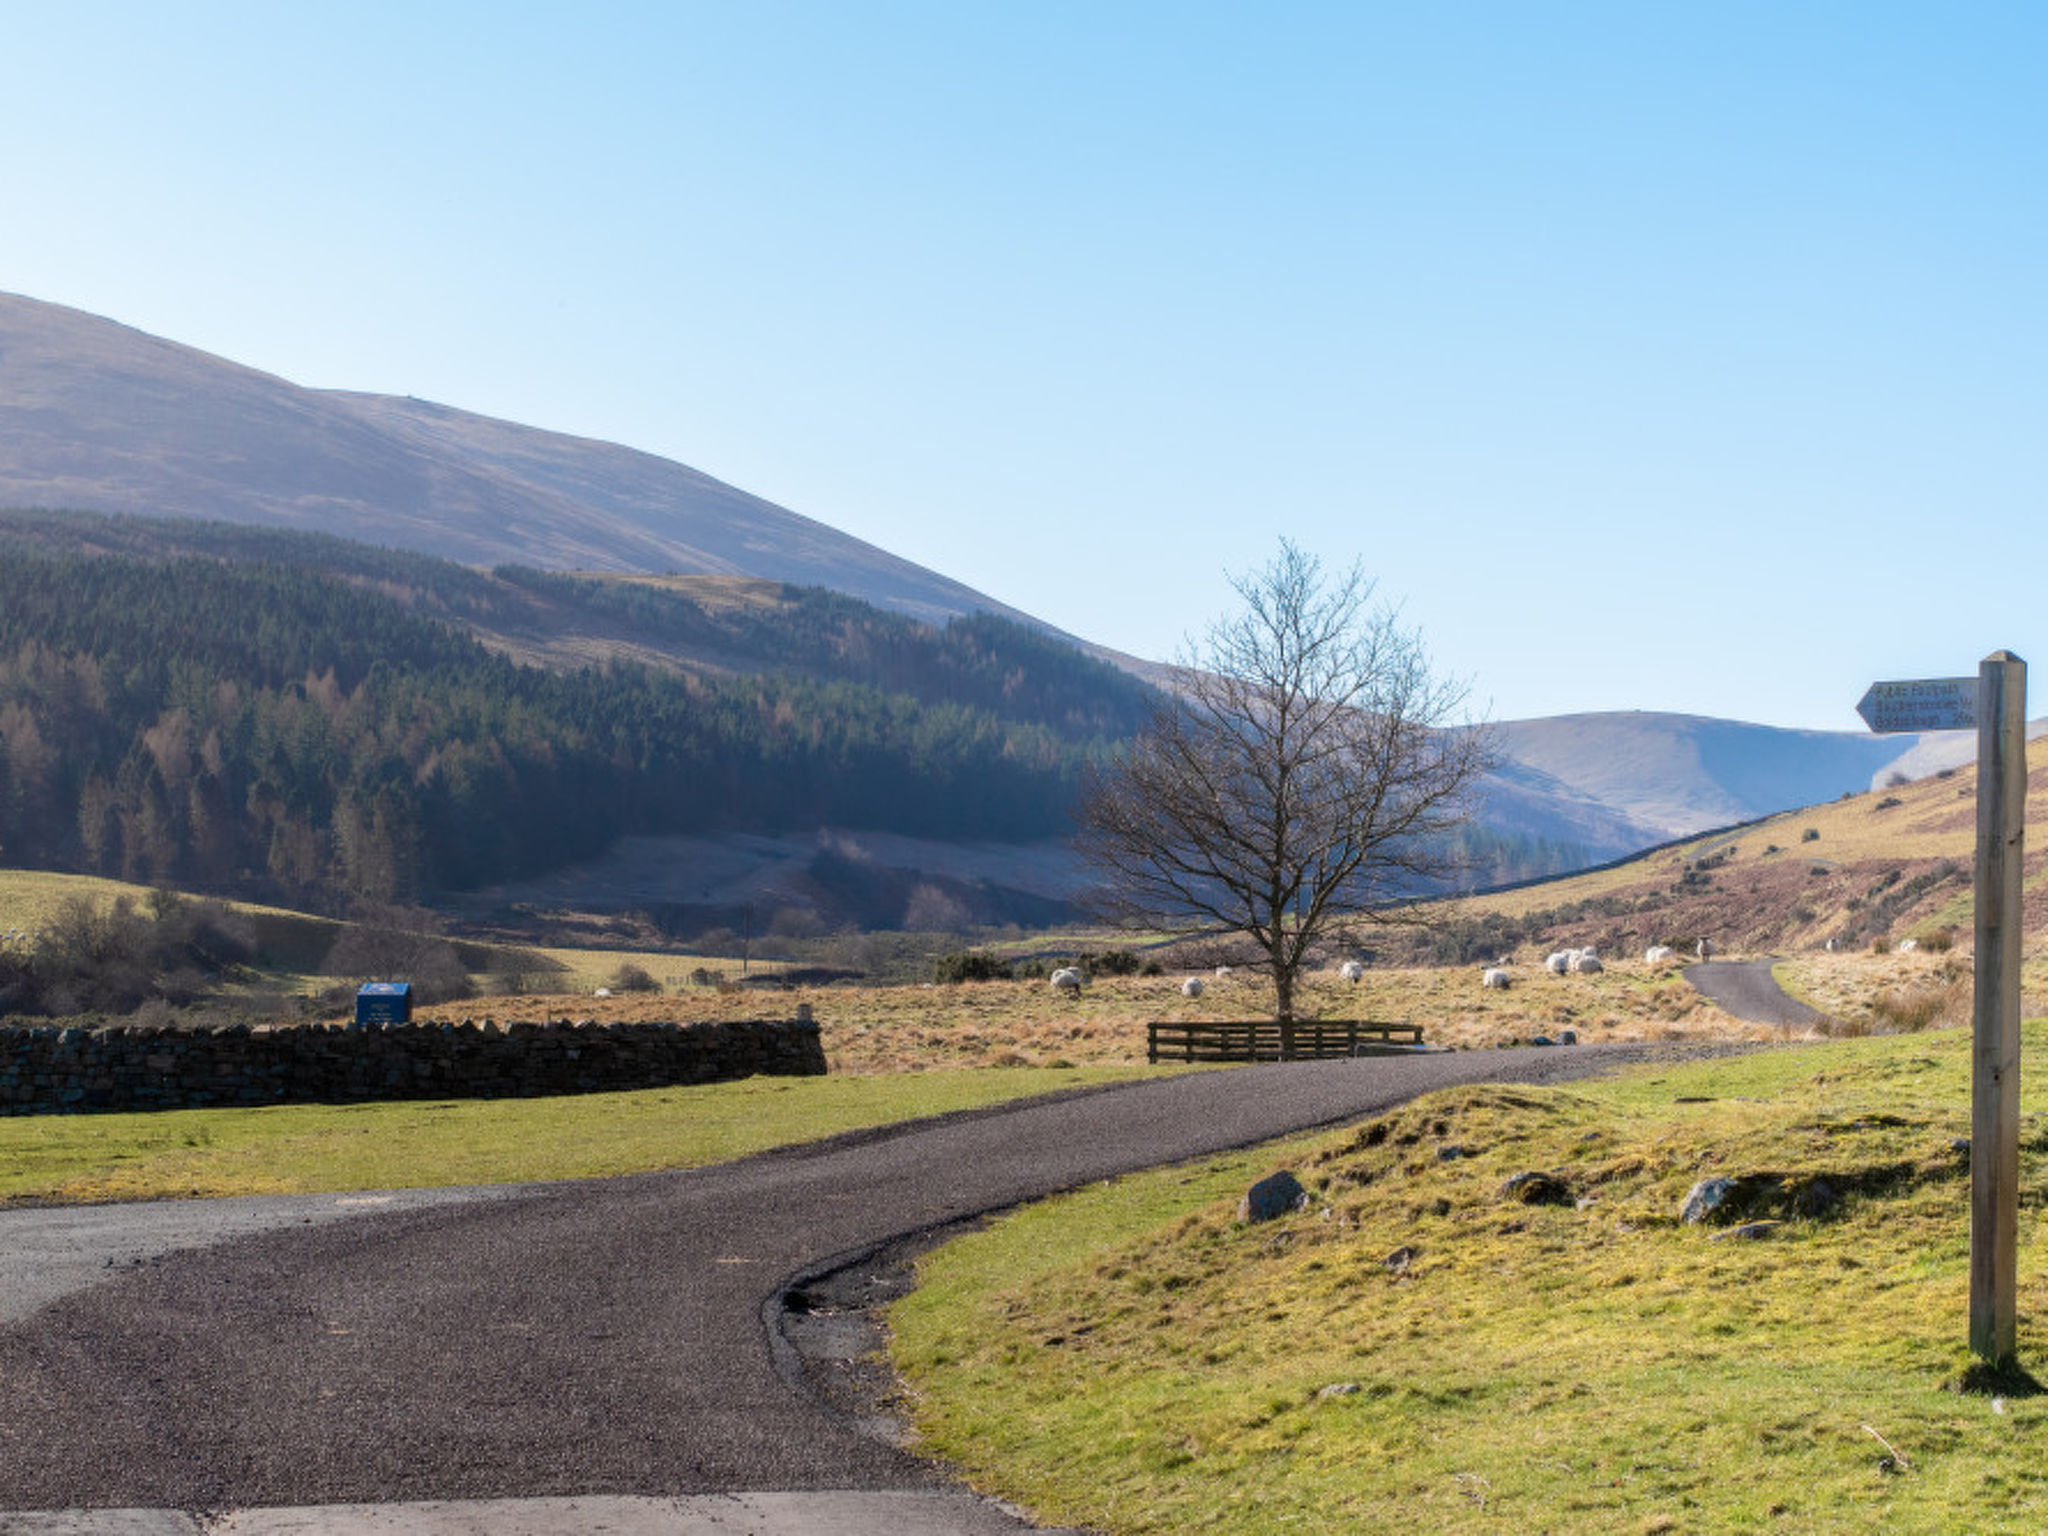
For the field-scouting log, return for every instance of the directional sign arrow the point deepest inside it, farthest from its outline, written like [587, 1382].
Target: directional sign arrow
[1920, 704]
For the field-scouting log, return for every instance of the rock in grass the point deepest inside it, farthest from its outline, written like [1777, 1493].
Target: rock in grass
[1277, 1194]
[1749, 1231]
[1707, 1197]
[1538, 1189]
[1398, 1261]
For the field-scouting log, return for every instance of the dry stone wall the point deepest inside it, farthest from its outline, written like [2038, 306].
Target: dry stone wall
[67, 1070]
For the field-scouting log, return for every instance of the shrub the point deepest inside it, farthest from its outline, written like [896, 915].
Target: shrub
[1810, 835]
[88, 960]
[1907, 1010]
[967, 965]
[633, 978]
[1112, 962]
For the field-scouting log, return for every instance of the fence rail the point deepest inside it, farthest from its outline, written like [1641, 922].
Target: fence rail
[1266, 1040]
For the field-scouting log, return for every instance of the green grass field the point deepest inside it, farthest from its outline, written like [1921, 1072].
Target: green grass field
[305, 1148]
[30, 898]
[1417, 1351]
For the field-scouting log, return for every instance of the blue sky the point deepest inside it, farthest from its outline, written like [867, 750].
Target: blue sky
[1650, 356]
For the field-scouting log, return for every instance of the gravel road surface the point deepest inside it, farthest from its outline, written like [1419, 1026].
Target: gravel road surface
[613, 1337]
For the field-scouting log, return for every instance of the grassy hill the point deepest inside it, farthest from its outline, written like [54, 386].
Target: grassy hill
[1868, 869]
[1425, 1348]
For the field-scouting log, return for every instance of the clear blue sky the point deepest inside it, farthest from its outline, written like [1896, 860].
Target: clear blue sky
[1653, 356]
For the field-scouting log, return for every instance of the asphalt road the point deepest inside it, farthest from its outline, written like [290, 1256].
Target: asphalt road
[601, 1338]
[1746, 989]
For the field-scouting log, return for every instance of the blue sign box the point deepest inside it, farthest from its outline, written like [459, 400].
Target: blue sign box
[380, 1003]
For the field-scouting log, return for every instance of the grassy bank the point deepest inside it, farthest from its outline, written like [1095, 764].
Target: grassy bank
[1418, 1350]
[305, 1148]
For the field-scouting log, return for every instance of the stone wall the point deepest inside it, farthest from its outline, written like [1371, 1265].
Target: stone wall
[57, 1070]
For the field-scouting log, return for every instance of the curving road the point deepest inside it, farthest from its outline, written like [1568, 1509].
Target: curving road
[1747, 990]
[610, 1337]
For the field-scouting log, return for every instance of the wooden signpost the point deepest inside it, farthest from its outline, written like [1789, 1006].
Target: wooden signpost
[1995, 701]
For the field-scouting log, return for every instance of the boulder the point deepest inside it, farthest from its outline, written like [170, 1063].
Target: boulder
[1707, 1197]
[1538, 1189]
[1278, 1194]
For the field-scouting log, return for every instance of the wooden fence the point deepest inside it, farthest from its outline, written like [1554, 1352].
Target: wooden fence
[1267, 1040]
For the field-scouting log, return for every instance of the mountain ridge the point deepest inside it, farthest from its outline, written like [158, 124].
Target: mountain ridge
[102, 417]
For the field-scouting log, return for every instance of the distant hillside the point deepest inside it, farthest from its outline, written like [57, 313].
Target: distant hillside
[714, 627]
[331, 728]
[98, 416]
[1868, 869]
[1668, 775]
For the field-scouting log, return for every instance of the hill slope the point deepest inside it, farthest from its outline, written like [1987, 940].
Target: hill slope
[1670, 775]
[98, 416]
[1873, 868]
[323, 728]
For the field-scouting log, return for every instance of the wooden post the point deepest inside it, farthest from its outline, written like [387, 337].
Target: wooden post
[1995, 1053]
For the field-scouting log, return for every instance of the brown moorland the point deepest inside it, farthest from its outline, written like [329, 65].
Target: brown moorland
[1026, 1023]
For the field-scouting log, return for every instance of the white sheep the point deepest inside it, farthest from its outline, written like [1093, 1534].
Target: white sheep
[1560, 961]
[1352, 970]
[1222, 972]
[1495, 977]
[1067, 979]
[1192, 987]
[1588, 963]
[1909, 946]
[1706, 949]
[1657, 954]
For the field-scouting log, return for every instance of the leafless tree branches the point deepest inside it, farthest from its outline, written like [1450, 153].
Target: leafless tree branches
[1302, 772]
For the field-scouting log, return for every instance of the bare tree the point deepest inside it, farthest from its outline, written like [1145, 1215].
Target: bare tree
[1302, 771]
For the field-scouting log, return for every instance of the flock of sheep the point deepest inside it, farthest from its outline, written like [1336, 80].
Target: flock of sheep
[1069, 979]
